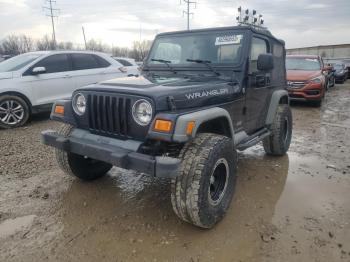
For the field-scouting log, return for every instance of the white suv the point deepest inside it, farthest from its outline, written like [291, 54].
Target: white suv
[31, 82]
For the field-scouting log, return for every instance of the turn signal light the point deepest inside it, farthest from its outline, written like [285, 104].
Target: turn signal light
[190, 126]
[162, 125]
[59, 110]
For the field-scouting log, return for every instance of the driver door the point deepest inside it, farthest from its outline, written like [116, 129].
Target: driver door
[56, 83]
[258, 87]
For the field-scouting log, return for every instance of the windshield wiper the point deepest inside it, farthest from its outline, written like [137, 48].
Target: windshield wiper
[167, 62]
[205, 62]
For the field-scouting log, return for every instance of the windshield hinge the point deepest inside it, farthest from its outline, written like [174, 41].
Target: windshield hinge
[171, 103]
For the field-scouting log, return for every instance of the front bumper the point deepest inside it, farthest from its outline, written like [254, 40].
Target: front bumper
[116, 152]
[310, 92]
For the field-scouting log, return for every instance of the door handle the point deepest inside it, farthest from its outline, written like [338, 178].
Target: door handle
[67, 76]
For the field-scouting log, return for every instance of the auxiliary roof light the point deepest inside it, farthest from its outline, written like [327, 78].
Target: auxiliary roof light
[250, 18]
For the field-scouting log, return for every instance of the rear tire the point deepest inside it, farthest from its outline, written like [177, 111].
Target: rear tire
[79, 166]
[278, 142]
[203, 191]
[14, 111]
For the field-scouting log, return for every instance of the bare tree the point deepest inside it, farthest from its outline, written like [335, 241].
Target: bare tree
[95, 45]
[120, 51]
[45, 43]
[65, 46]
[14, 45]
[140, 49]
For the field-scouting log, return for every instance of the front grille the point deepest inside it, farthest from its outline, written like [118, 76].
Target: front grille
[296, 84]
[109, 114]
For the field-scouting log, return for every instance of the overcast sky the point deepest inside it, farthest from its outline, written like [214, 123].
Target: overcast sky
[119, 22]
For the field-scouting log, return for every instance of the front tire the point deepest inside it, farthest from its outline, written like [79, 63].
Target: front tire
[203, 191]
[281, 132]
[14, 111]
[79, 166]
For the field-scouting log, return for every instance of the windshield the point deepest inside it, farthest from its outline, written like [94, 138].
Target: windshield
[213, 47]
[338, 66]
[17, 62]
[308, 64]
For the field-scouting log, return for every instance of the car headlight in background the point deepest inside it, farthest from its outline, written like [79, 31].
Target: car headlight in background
[79, 104]
[142, 112]
[316, 80]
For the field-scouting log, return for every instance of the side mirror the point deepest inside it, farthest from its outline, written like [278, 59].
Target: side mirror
[265, 62]
[38, 70]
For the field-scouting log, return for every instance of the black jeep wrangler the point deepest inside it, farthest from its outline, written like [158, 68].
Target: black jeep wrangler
[201, 96]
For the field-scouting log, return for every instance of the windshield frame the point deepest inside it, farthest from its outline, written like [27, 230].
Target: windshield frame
[195, 66]
[26, 63]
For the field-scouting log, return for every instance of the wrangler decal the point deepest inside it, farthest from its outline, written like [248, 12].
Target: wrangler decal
[214, 92]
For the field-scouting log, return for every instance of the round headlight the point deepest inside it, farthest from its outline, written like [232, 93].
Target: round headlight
[142, 112]
[79, 104]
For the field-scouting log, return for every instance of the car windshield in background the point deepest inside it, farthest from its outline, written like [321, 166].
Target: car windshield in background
[217, 48]
[17, 62]
[308, 64]
[338, 67]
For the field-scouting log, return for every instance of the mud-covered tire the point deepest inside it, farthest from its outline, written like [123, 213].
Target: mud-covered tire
[195, 197]
[20, 116]
[281, 132]
[79, 166]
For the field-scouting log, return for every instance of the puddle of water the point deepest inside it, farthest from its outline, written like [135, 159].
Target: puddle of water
[10, 227]
[130, 217]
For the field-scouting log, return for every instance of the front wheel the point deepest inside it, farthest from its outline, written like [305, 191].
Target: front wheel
[79, 166]
[14, 111]
[281, 132]
[203, 191]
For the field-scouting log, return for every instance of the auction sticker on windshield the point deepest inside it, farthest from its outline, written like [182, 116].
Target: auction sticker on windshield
[228, 39]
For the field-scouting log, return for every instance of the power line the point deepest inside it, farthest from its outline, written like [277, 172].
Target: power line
[187, 12]
[52, 14]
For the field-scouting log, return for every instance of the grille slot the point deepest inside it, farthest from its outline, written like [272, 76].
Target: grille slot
[296, 84]
[109, 114]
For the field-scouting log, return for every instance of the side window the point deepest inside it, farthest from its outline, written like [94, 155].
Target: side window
[101, 61]
[54, 63]
[124, 62]
[84, 61]
[259, 46]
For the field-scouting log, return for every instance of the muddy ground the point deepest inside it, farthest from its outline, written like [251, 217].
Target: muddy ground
[291, 208]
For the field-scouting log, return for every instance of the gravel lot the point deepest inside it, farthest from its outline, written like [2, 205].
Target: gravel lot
[293, 208]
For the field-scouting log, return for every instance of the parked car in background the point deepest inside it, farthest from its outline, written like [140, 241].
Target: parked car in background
[31, 82]
[341, 73]
[346, 62]
[329, 71]
[130, 64]
[306, 78]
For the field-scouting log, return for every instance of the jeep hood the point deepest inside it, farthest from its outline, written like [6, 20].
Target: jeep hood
[185, 92]
[302, 75]
[6, 75]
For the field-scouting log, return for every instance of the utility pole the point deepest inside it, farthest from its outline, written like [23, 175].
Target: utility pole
[52, 15]
[84, 37]
[187, 12]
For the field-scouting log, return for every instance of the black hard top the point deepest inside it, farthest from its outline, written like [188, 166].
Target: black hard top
[261, 31]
